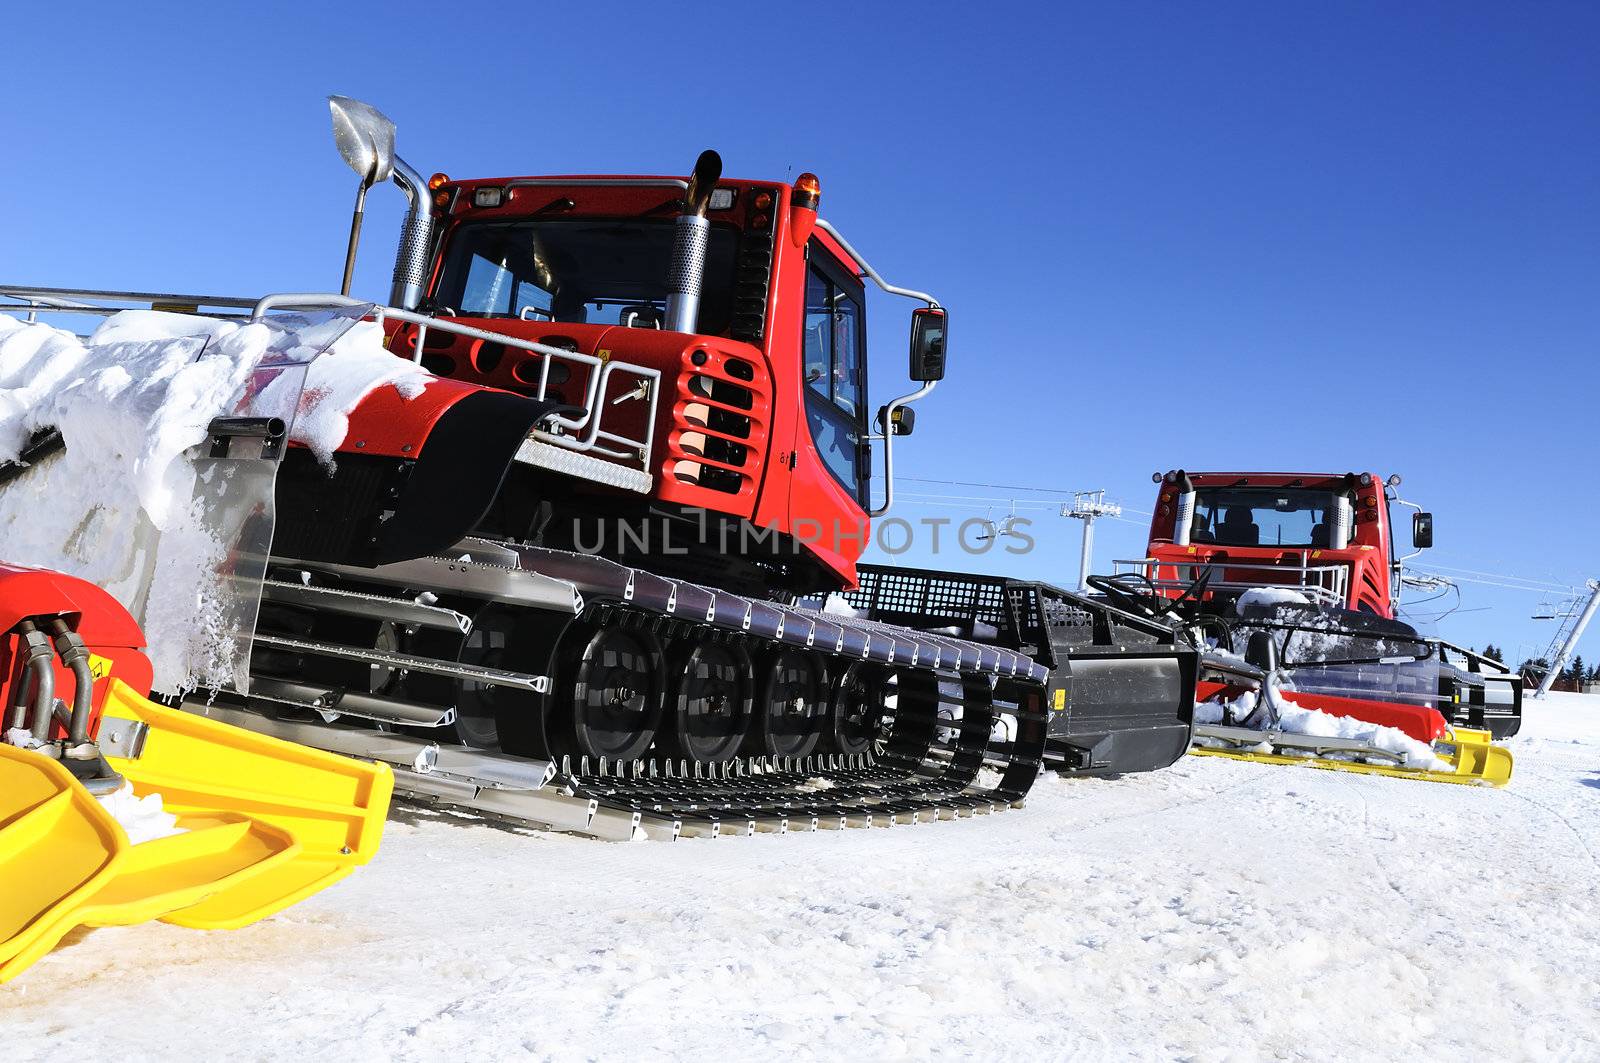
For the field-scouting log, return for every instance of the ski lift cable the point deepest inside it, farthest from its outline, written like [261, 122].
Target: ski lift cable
[1553, 586]
[1065, 494]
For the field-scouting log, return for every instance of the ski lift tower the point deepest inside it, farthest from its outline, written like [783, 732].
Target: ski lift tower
[1562, 646]
[1088, 506]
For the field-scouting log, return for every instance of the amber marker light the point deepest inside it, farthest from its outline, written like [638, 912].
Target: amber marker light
[803, 207]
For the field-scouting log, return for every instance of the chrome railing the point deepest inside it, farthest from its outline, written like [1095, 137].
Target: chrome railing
[1326, 584]
[584, 433]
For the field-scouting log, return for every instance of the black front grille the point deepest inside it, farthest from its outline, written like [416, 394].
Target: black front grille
[752, 281]
[330, 516]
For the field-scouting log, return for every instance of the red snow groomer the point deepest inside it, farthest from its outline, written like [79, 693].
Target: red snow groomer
[1294, 582]
[563, 582]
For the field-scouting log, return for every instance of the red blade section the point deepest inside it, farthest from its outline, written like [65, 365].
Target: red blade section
[1420, 722]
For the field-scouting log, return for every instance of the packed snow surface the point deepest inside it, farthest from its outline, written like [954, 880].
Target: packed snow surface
[124, 506]
[1214, 911]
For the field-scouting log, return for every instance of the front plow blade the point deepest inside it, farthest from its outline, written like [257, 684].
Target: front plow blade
[1473, 759]
[1475, 755]
[58, 847]
[332, 806]
[262, 824]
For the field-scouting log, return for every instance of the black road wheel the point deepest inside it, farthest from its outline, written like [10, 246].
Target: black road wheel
[616, 695]
[793, 709]
[857, 709]
[711, 703]
[478, 705]
[505, 718]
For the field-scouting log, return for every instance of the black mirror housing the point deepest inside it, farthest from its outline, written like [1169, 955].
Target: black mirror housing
[901, 424]
[1422, 530]
[929, 328]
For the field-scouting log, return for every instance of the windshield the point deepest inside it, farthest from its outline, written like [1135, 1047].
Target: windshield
[1262, 516]
[603, 270]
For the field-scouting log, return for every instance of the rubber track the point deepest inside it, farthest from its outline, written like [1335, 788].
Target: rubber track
[928, 767]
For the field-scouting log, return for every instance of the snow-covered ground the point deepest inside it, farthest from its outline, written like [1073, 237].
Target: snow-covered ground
[1217, 910]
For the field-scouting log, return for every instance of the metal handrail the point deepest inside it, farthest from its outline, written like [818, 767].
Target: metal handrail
[1328, 583]
[887, 435]
[588, 429]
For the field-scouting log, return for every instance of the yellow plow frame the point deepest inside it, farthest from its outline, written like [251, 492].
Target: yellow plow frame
[1474, 759]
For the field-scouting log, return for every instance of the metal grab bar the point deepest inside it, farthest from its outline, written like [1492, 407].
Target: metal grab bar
[583, 434]
[599, 376]
[1327, 583]
[887, 436]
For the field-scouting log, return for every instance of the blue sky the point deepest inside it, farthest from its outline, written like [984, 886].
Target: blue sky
[1264, 235]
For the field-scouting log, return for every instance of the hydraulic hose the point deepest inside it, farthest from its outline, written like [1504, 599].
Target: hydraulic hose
[18, 713]
[36, 676]
[75, 655]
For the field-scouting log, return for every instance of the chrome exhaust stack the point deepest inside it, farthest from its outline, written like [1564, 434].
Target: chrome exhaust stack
[1343, 519]
[365, 139]
[416, 234]
[1344, 514]
[1183, 526]
[687, 270]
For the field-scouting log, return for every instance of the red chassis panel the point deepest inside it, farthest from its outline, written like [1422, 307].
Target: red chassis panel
[112, 635]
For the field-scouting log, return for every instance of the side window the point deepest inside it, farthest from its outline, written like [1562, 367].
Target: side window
[846, 356]
[819, 334]
[835, 377]
[833, 343]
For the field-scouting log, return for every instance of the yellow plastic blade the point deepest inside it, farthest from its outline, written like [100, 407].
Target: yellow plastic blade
[58, 847]
[332, 806]
[1474, 761]
[212, 854]
[263, 824]
[1474, 754]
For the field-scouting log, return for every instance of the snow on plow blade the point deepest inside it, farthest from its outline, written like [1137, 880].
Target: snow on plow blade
[1386, 739]
[301, 821]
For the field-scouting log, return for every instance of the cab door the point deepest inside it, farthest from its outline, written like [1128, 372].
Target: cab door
[835, 371]
[830, 478]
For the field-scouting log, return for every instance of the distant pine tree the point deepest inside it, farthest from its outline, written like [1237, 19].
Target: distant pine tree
[1577, 672]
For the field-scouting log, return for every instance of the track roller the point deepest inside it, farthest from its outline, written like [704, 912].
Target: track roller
[793, 710]
[857, 709]
[710, 702]
[616, 694]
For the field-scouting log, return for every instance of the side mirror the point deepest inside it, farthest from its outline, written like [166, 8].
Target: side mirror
[901, 424]
[364, 137]
[928, 327]
[1422, 530]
